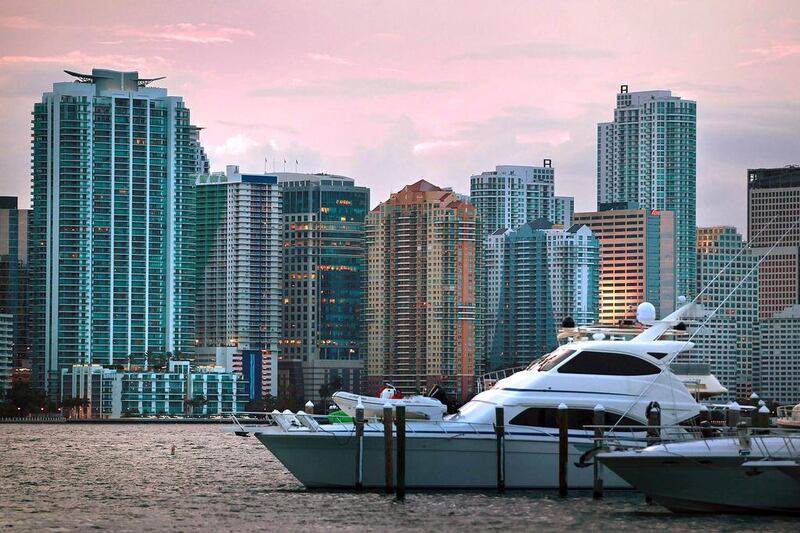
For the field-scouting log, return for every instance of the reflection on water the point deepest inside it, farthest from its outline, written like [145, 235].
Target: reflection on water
[124, 477]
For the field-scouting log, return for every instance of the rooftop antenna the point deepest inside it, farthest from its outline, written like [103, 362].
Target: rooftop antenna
[265, 165]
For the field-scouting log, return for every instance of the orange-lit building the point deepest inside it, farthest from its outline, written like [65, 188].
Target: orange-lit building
[423, 267]
[637, 259]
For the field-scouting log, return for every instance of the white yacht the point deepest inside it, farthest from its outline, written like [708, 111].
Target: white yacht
[624, 376]
[748, 473]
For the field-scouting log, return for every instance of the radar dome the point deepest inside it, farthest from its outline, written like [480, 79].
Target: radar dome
[646, 312]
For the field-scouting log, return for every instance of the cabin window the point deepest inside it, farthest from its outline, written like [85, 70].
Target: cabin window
[609, 364]
[546, 417]
[657, 355]
[551, 360]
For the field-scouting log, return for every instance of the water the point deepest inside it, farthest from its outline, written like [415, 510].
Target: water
[123, 477]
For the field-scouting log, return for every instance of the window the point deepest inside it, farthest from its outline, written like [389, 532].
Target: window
[546, 417]
[551, 360]
[608, 363]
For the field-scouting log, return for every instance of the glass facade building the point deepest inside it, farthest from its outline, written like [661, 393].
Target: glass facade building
[111, 239]
[648, 155]
[14, 272]
[323, 283]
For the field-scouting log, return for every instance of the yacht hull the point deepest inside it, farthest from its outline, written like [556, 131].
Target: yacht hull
[455, 461]
[709, 484]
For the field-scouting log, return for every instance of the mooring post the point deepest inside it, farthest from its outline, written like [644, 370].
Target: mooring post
[563, 448]
[763, 417]
[653, 424]
[500, 432]
[599, 421]
[359, 445]
[734, 414]
[387, 448]
[705, 422]
[400, 413]
[310, 407]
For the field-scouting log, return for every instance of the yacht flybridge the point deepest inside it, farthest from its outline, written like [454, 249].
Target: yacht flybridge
[624, 376]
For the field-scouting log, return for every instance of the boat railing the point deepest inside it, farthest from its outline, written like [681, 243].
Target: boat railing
[749, 437]
[788, 415]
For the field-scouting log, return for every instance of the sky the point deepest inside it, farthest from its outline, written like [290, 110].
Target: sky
[391, 92]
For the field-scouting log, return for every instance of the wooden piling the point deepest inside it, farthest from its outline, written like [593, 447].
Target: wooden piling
[763, 417]
[734, 414]
[563, 448]
[500, 432]
[704, 417]
[400, 413]
[359, 422]
[387, 448]
[599, 420]
[653, 424]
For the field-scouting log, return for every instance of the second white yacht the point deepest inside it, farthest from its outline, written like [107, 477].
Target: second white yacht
[624, 376]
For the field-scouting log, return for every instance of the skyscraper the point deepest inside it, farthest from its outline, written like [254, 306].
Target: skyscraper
[423, 317]
[647, 155]
[112, 229]
[6, 352]
[773, 212]
[323, 284]
[729, 285]
[776, 363]
[512, 195]
[240, 273]
[14, 271]
[636, 259]
[536, 276]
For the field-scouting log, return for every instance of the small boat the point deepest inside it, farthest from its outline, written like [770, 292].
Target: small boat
[789, 416]
[743, 474]
[417, 407]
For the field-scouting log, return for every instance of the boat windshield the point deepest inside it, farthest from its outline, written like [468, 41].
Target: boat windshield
[551, 360]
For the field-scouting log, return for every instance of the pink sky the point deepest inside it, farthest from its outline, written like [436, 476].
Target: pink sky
[389, 92]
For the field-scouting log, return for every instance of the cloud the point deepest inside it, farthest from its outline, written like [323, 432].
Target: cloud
[532, 50]
[186, 32]
[354, 88]
[251, 155]
[234, 146]
[77, 59]
[284, 128]
[551, 137]
[20, 23]
[428, 146]
[774, 52]
[328, 59]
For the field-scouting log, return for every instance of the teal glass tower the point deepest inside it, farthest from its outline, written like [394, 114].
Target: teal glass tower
[112, 274]
[647, 155]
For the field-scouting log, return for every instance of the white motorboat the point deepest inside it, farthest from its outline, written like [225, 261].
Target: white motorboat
[624, 376]
[751, 473]
[422, 407]
[789, 416]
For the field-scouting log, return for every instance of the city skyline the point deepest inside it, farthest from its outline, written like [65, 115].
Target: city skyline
[435, 109]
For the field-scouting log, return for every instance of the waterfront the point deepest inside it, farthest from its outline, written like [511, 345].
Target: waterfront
[124, 477]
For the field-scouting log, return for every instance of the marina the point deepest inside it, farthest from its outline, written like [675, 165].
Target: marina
[217, 481]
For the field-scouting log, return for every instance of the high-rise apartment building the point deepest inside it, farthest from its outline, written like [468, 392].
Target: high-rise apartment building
[240, 271]
[111, 239]
[773, 229]
[536, 276]
[727, 282]
[776, 363]
[323, 284]
[14, 271]
[423, 315]
[637, 250]
[512, 195]
[647, 155]
[564, 208]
